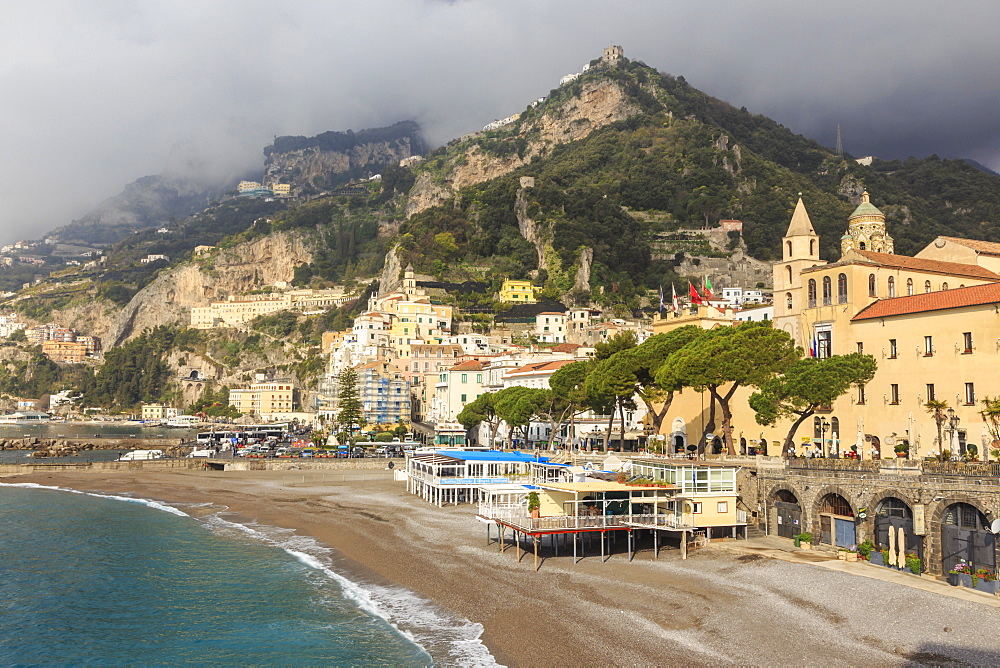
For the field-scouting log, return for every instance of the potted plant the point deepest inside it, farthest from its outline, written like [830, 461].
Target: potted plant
[805, 540]
[534, 504]
[852, 553]
[960, 575]
[865, 549]
[986, 580]
[902, 449]
[914, 563]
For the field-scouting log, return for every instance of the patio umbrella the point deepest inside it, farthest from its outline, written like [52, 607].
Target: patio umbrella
[834, 443]
[910, 434]
[901, 543]
[892, 547]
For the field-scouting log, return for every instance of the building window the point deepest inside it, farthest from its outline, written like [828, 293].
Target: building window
[465, 378]
[861, 394]
[927, 286]
[479, 377]
[463, 398]
[861, 347]
[788, 301]
[823, 343]
[842, 289]
[696, 508]
[892, 286]
[894, 394]
[909, 286]
[892, 349]
[930, 391]
[871, 285]
[723, 507]
[967, 340]
[944, 286]
[827, 291]
[970, 394]
[928, 346]
[812, 293]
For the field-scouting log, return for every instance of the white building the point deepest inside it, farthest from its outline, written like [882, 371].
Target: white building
[550, 327]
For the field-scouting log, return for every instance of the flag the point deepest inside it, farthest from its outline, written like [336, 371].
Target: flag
[706, 288]
[814, 347]
[661, 300]
[695, 297]
[675, 304]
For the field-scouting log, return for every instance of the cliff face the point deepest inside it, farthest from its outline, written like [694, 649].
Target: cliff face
[599, 103]
[313, 164]
[169, 298]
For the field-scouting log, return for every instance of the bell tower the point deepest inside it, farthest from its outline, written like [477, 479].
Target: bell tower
[799, 251]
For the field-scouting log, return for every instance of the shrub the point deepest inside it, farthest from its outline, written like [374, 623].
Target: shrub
[805, 537]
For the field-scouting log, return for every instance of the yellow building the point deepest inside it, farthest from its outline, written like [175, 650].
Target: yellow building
[265, 399]
[932, 322]
[517, 292]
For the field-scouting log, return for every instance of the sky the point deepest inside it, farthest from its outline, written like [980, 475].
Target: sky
[96, 94]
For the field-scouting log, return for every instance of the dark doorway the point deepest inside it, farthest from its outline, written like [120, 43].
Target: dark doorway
[789, 514]
[836, 521]
[894, 514]
[966, 537]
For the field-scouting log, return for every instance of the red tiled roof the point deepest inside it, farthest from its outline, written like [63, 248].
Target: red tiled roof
[931, 301]
[934, 266]
[565, 348]
[542, 367]
[987, 247]
[468, 366]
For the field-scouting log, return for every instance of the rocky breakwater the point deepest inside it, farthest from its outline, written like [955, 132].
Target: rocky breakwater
[69, 447]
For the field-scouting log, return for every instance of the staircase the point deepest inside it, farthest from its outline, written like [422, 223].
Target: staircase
[754, 532]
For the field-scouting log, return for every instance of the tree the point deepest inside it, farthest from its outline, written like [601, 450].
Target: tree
[725, 359]
[991, 416]
[646, 359]
[806, 386]
[482, 409]
[567, 395]
[516, 406]
[938, 410]
[350, 416]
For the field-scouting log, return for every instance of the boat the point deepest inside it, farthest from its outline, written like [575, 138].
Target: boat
[25, 417]
[182, 421]
[141, 455]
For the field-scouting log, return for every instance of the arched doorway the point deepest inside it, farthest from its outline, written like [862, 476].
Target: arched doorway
[789, 514]
[678, 435]
[893, 514]
[836, 521]
[966, 537]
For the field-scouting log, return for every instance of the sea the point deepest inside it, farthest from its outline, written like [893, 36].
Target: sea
[112, 580]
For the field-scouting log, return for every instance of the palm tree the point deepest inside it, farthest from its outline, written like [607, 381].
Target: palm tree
[937, 410]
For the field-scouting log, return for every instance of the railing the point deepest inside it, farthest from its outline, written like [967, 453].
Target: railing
[835, 464]
[583, 522]
[977, 469]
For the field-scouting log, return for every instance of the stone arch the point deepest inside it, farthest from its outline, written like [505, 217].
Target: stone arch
[825, 524]
[785, 510]
[940, 507]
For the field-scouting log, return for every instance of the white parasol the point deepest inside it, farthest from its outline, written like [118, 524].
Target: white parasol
[892, 547]
[901, 543]
[861, 436]
[910, 436]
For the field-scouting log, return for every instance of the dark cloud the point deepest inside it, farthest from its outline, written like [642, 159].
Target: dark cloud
[97, 94]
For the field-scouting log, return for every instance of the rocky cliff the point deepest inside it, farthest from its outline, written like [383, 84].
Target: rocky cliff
[314, 164]
[169, 298]
[598, 103]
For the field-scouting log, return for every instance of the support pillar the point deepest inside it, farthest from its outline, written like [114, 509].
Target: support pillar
[684, 544]
[534, 539]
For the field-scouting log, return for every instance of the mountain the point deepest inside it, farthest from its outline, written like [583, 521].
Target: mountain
[150, 201]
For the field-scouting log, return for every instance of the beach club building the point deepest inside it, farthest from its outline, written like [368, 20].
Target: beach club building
[706, 493]
[459, 476]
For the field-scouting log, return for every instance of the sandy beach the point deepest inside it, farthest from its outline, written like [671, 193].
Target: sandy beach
[714, 608]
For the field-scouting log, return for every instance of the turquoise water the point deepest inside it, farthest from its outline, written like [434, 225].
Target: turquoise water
[88, 579]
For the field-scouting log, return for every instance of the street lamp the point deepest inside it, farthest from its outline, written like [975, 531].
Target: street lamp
[824, 424]
[953, 422]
